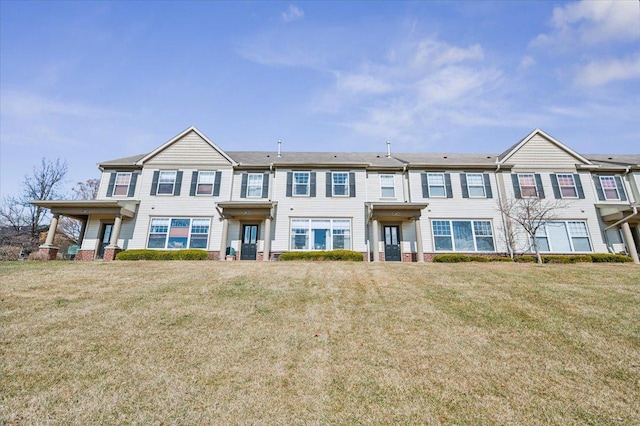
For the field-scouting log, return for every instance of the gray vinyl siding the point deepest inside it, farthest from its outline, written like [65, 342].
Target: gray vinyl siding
[191, 151]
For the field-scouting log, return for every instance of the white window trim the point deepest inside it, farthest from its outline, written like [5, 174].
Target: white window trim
[575, 188]
[115, 184]
[569, 236]
[473, 233]
[393, 186]
[535, 185]
[331, 229]
[444, 186]
[173, 186]
[213, 184]
[294, 184]
[346, 185]
[189, 235]
[484, 192]
[615, 185]
[259, 187]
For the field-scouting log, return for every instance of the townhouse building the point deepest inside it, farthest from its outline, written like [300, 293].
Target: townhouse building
[247, 205]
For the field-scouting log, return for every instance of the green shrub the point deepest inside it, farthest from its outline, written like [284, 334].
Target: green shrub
[451, 258]
[525, 258]
[500, 259]
[575, 258]
[345, 255]
[144, 254]
[610, 258]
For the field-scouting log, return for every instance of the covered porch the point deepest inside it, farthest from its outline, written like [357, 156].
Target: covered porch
[110, 211]
[252, 220]
[389, 219]
[621, 219]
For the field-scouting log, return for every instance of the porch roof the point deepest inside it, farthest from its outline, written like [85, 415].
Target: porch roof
[81, 209]
[395, 211]
[246, 209]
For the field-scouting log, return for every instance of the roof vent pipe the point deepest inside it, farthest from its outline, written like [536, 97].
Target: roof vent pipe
[279, 148]
[388, 149]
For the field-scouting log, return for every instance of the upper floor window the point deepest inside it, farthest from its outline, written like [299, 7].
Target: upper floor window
[166, 182]
[254, 185]
[121, 185]
[475, 185]
[567, 186]
[527, 184]
[340, 183]
[436, 185]
[609, 188]
[205, 184]
[301, 183]
[387, 186]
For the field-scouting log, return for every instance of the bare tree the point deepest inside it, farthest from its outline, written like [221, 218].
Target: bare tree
[87, 190]
[531, 213]
[43, 183]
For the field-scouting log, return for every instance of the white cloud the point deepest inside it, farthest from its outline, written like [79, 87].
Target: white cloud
[598, 73]
[527, 62]
[590, 23]
[293, 13]
[436, 53]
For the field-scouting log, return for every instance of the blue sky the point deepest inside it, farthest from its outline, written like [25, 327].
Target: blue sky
[93, 81]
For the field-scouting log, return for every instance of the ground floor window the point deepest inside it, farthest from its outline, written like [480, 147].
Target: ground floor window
[563, 237]
[463, 235]
[320, 234]
[178, 233]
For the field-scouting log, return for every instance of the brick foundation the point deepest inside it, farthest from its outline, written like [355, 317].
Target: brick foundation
[49, 253]
[85, 255]
[110, 253]
[213, 255]
[409, 257]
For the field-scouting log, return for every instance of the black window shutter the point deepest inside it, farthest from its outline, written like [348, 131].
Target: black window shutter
[194, 183]
[539, 185]
[425, 185]
[596, 182]
[289, 184]
[112, 182]
[623, 196]
[243, 188]
[216, 184]
[178, 186]
[447, 182]
[132, 184]
[352, 184]
[576, 179]
[463, 185]
[487, 185]
[154, 182]
[312, 184]
[516, 185]
[554, 185]
[328, 185]
[265, 185]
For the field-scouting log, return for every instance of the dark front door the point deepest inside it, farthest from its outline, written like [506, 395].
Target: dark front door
[392, 243]
[249, 248]
[105, 238]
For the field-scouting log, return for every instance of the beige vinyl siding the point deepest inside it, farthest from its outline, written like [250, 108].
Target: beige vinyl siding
[319, 207]
[104, 184]
[633, 187]
[191, 150]
[373, 187]
[541, 154]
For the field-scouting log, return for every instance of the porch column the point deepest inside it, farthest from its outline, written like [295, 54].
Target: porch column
[52, 230]
[225, 234]
[376, 245]
[631, 245]
[266, 250]
[419, 241]
[83, 229]
[115, 232]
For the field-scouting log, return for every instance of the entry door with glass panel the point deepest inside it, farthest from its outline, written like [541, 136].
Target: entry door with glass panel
[392, 243]
[105, 238]
[249, 250]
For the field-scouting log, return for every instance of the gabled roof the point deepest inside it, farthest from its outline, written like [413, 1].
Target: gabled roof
[180, 136]
[337, 159]
[621, 161]
[513, 149]
[123, 162]
[443, 160]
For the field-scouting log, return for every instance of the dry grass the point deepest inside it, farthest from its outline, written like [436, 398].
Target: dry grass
[319, 343]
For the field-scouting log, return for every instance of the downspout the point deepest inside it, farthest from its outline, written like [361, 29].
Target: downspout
[405, 173]
[628, 236]
[504, 223]
[624, 219]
